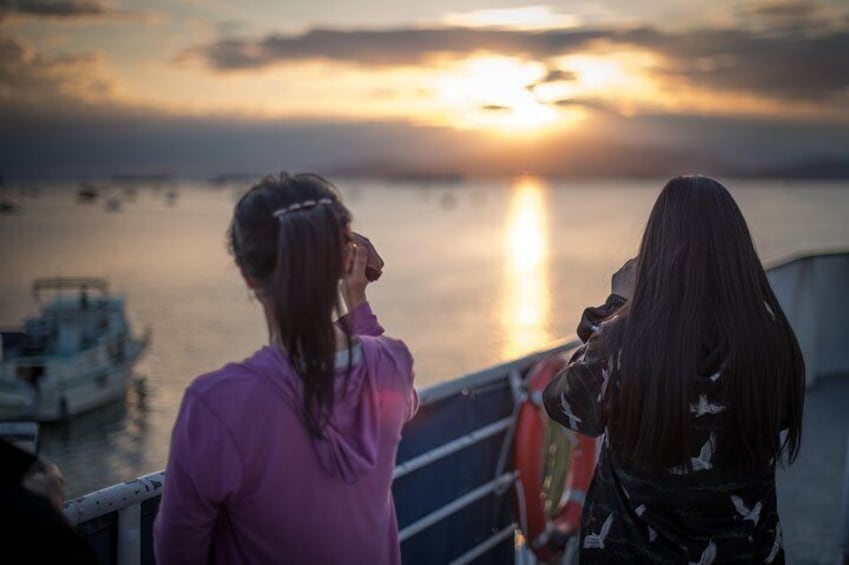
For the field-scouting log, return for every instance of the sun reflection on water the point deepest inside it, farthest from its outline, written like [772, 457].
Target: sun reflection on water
[528, 299]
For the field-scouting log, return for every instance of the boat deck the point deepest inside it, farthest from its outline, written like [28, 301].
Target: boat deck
[452, 483]
[810, 491]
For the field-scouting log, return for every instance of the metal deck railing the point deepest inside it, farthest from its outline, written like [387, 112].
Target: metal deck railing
[114, 521]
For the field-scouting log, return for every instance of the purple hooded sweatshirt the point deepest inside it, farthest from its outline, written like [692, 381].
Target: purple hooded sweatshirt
[245, 483]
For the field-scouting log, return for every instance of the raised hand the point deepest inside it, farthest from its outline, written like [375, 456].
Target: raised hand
[354, 282]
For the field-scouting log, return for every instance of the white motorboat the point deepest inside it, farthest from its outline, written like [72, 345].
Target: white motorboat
[75, 355]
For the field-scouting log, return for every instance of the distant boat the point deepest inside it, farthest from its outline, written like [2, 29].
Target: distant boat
[8, 206]
[113, 204]
[234, 178]
[171, 196]
[76, 355]
[30, 191]
[426, 178]
[88, 192]
[153, 178]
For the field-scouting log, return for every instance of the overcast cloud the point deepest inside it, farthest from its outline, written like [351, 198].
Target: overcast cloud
[795, 63]
[65, 111]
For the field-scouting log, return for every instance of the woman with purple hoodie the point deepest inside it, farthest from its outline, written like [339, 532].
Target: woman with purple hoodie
[287, 456]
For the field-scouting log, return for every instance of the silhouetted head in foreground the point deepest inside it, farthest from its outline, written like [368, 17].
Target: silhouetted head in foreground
[702, 307]
[289, 236]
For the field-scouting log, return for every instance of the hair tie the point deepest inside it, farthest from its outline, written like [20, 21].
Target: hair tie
[305, 205]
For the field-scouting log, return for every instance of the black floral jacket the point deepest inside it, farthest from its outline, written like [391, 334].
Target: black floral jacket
[701, 513]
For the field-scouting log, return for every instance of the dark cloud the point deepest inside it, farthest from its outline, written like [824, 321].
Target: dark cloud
[796, 63]
[795, 10]
[29, 74]
[495, 108]
[406, 46]
[58, 9]
[31, 81]
[553, 75]
[586, 103]
[70, 10]
[558, 75]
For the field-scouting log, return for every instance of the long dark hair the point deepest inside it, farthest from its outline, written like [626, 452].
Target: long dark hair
[297, 258]
[700, 289]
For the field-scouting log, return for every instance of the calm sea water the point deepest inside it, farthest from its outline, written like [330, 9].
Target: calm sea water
[476, 273]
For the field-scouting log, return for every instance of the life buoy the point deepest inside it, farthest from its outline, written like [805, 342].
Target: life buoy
[547, 532]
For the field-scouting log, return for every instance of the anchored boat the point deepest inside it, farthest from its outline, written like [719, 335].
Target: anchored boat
[75, 355]
[459, 493]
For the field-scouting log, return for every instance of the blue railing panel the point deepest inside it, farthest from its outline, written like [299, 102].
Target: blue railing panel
[460, 532]
[149, 508]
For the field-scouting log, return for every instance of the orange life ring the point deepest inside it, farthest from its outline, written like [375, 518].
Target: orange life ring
[544, 534]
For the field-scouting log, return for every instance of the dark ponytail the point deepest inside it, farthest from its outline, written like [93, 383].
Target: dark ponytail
[289, 234]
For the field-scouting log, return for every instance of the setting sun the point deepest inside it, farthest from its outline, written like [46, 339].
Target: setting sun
[496, 92]
[512, 96]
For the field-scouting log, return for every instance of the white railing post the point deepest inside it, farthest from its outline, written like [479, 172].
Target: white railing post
[129, 535]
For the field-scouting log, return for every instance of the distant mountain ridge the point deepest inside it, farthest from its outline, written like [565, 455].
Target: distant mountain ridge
[820, 169]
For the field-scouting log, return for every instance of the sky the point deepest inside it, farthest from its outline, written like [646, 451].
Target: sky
[93, 88]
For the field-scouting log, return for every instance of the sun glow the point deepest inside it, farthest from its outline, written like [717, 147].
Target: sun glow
[495, 92]
[619, 80]
[505, 96]
[501, 95]
[528, 300]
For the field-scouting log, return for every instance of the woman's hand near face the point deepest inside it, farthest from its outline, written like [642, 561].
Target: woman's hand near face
[374, 263]
[354, 282]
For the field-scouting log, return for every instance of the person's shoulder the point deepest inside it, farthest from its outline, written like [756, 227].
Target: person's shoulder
[232, 379]
[219, 381]
[388, 355]
[386, 346]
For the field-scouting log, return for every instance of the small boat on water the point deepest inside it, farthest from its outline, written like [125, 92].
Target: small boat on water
[8, 206]
[113, 204]
[75, 355]
[88, 192]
